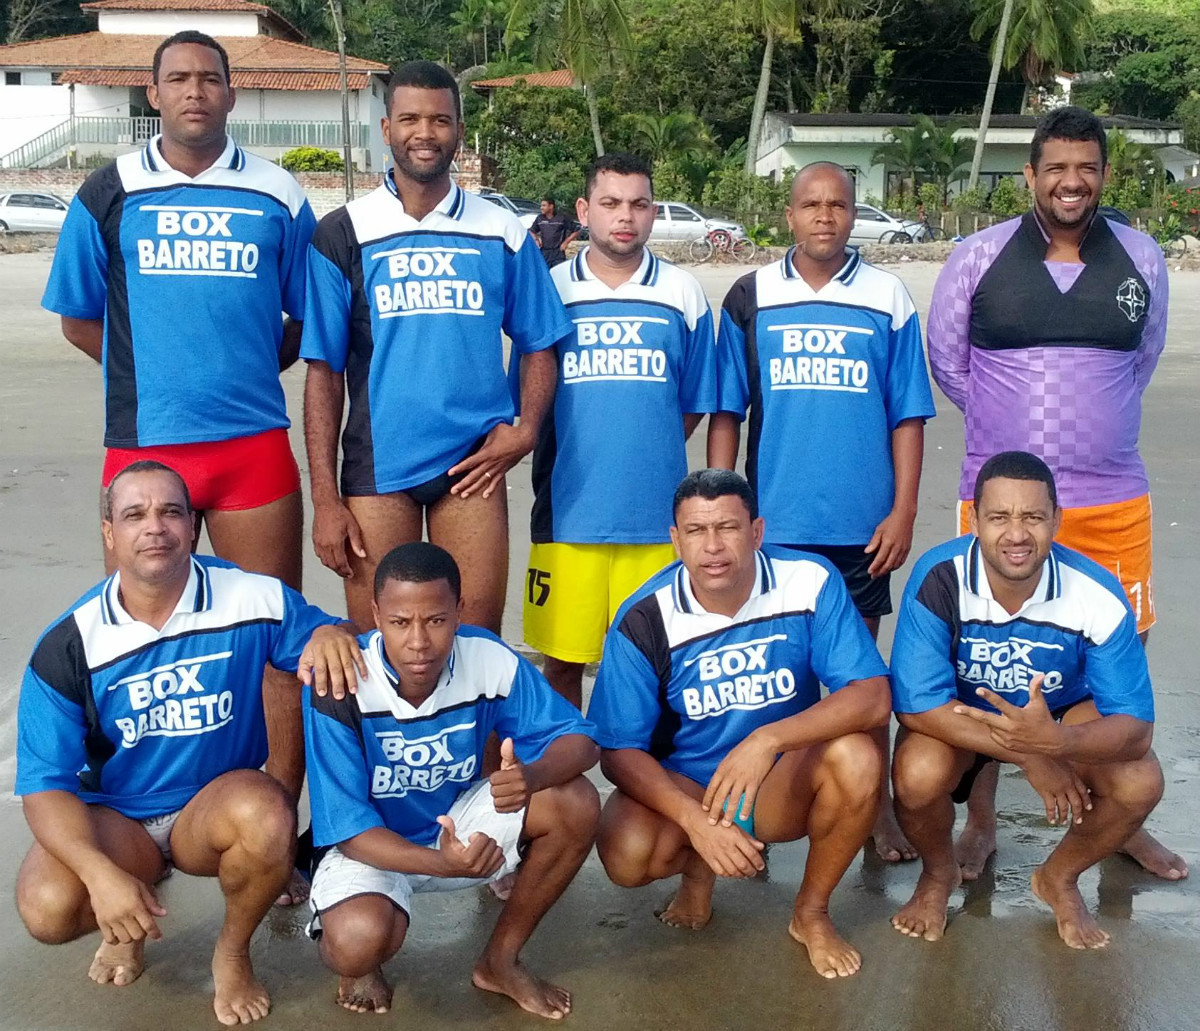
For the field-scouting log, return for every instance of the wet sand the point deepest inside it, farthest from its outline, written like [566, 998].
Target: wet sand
[1001, 965]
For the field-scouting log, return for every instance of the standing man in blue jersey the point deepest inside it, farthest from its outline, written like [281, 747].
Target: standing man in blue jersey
[1014, 648]
[825, 352]
[636, 376]
[402, 804]
[409, 290]
[139, 735]
[712, 724]
[174, 268]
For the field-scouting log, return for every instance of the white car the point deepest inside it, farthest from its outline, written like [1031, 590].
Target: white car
[32, 212]
[872, 226]
[525, 210]
[680, 223]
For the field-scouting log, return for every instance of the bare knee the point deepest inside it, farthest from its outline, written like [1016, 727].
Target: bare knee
[1136, 786]
[854, 763]
[922, 772]
[625, 845]
[574, 810]
[51, 908]
[360, 934]
[264, 819]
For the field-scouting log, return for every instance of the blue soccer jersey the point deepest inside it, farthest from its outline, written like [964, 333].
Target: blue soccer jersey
[641, 355]
[412, 312]
[953, 637]
[191, 278]
[375, 761]
[687, 685]
[826, 375]
[139, 719]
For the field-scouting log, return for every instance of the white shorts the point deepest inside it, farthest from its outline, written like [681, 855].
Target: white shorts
[159, 828]
[339, 877]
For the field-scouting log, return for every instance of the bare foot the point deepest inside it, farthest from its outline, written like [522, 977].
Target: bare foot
[1076, 926]
[118, 964]
[830, 954]
[239, 998]
[532, 994]
[1154, 857]
[296, 891]
[975, 846]
[924, 915]
[369, 994]
[502, 888]
[690, 907]
[890, 843]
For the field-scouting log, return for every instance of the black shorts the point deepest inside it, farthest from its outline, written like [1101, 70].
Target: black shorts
[428, 493]
[872, 598]
[554, 257]
[962, 790]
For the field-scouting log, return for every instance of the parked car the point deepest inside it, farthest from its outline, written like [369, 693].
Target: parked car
[871, 225]
[525, 210]
[32, 212]
[681, 223]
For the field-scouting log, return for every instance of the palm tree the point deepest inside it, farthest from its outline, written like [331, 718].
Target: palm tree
[771, 19]
[947, 154]
[676, 135]
[1046, 36]
[906, 152]
[585, 35]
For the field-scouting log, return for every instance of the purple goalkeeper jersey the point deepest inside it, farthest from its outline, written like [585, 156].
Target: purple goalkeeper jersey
[1052, 357]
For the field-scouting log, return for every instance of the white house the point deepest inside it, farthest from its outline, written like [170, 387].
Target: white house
[793, 140]
[66, 99]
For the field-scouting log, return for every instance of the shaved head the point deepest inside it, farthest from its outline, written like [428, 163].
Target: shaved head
[820, 169]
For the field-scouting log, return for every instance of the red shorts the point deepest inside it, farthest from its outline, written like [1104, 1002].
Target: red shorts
[222, 475]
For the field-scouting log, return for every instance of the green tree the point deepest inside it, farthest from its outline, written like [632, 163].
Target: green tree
[671, 136]
[1045, 36]
[948, 155]
[585, 35]
[312, 159]
[769, 19]
[846, 36]
[906, 153]
[1137, 179]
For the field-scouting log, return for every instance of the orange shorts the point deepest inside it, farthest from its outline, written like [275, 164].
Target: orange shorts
[222, 475]
[1116, 536]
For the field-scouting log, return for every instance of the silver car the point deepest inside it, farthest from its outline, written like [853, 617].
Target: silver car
[874, 226]
[681, 223]
[32, 212]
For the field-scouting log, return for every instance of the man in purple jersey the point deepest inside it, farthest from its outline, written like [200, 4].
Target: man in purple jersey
[1045, 331]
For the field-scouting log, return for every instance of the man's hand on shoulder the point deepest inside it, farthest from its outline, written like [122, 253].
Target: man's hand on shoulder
[510, 783]
[479, 858]
[332, 662]
[503, 448]
[124, 906]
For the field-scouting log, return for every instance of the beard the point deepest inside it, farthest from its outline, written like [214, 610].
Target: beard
[422, 173]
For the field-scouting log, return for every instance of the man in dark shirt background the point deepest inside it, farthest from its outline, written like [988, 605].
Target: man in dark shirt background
[553, 232]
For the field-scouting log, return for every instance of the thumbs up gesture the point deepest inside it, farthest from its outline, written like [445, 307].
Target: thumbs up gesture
[510, 788]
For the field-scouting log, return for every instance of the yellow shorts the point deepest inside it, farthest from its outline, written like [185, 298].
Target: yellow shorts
[573, 591]
[1116, 536]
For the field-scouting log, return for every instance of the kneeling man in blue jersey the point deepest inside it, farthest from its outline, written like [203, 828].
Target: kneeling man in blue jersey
[712, 723]
[397, 789]
[1014, 648]
[139, 736]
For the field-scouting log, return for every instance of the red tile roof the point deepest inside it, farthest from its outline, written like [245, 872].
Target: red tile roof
[560, 79]
[262, 10]
[241, 79]
[109, 51]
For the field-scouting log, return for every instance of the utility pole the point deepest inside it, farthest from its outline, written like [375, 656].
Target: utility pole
[997, 57]
[335, 9]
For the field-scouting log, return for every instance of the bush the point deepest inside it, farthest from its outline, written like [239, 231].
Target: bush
[312, 159]
[748, 198]
[970, 201]
[929, 196]
[1184, 202]
[1007, 199]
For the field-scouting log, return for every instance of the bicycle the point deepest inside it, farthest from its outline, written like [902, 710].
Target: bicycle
[721, 241]
[926, 232]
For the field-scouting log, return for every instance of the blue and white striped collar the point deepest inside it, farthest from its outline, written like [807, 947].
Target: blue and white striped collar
[232, 157]
[1048, 589]
[844, 275]
[645, 275]
[196, 597]
[451, 205]
[685, 600]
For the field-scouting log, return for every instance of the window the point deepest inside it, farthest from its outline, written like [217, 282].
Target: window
[12, 78]
[42, 201]
[22, 200]
[865, 214]
[660, 212]
[681, 214]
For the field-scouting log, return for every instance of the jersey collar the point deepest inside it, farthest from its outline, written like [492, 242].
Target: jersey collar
[232, 157]
[685, 600]
[845, 275]
[646, 274]
[196, 597]
[451, 205]
[1049, 586]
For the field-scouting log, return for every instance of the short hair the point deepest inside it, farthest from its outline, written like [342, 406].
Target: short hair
[145, 465]
[1068, 123]
[418, 562]
[1015, 465]
[619, 163]
[547, 199]
[711, 484]
[422, 75]
[200, 39]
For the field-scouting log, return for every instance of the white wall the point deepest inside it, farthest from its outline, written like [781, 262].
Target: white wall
[167, 23]
[29, 111]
